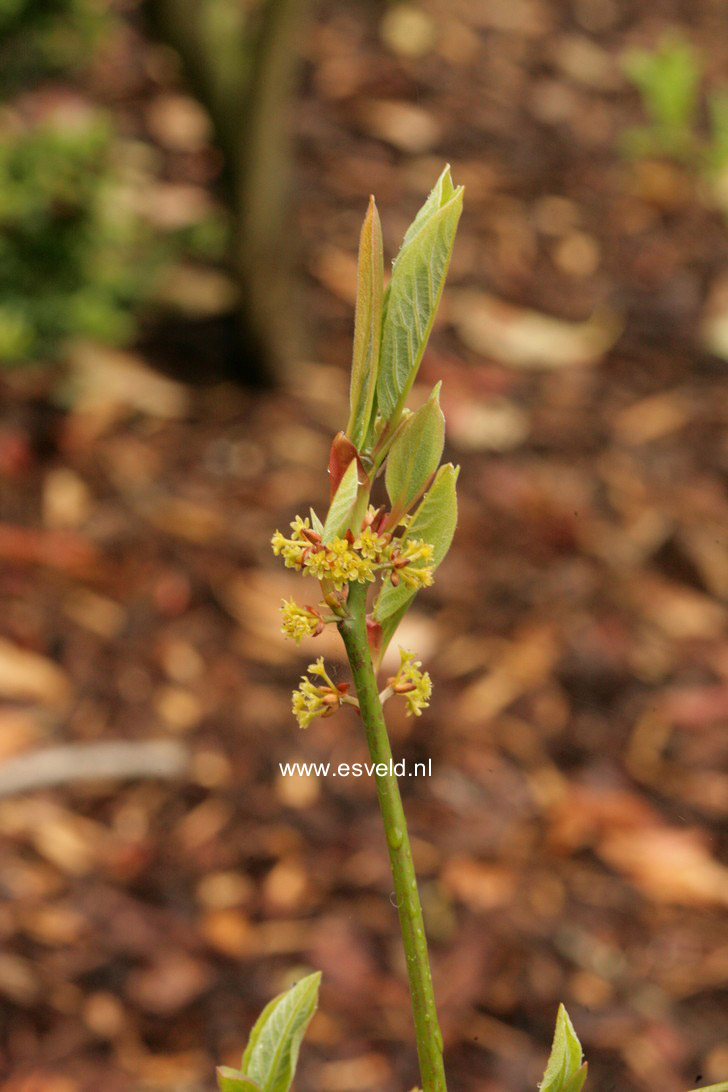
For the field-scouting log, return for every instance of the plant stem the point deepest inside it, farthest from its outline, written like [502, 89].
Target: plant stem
[429, 1038]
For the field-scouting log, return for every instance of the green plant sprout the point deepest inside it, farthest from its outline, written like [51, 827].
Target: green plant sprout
[669, 80]
[394, 547]
[371, 560]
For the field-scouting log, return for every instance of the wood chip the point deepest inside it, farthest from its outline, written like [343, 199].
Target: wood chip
[522, 338]
[28, 676]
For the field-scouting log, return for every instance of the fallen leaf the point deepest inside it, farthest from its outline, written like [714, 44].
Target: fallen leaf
[667, 865]
[521, 338]
[104, 379]
[407, 127]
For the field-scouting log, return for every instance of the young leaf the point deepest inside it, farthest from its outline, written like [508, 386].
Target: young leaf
[418, 277]
[367, 326]
[441, 193]
[343, 503]
[415, 455]
[434, 521]
[564, 1070]
[272, 1052]
[316, 523]
[232, 1080]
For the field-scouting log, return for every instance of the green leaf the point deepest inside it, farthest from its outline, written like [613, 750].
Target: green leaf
[564, 1070]
[441, 193]
[722, 1087]
[339, 514]
[418, 278]
[434, 521]
[272, 1051]
[232, 1080]
[415, 454]
[316, 523]
[389, 627]
[367, 327]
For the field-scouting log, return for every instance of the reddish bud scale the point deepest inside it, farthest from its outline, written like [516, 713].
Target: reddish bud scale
[341, 454]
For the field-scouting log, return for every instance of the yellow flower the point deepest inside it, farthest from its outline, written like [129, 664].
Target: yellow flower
[417, 578]
[407, 564]
[417, 550]
[298, 526]
[311, 701]
[300, 622]
[412, 683]
[342, 561]
[371, 545]
[291, 551]
[307, 703]
[315, 563]
[345, 565]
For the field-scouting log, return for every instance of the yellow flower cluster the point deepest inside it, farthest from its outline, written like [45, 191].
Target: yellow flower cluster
[414, 576]
[353, 560]
[371, 545]
[414, 685]
[311, 701]
[339, 561]
[300, 622]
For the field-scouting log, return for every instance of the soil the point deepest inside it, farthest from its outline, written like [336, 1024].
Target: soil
[571, 839]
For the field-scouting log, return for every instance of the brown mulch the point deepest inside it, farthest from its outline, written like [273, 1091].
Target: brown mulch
[571, 841]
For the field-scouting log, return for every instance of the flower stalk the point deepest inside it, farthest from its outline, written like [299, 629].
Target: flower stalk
[392, 548]
[353, 630]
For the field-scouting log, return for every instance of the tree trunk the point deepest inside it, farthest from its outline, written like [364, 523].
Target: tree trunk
[242, 67]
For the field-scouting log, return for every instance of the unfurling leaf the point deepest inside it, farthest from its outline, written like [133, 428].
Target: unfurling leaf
[341, 453]
[418, 277]
[272, 1052]
[367, 327]
[232, 1080]
[434, 521]
[415, 455]
[316, 524]
[564, 1070]
[339, 515]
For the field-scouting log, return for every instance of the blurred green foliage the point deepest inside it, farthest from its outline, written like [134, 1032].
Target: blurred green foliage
[669, 79]
[41, 38]
[78, 256]
[75, 257]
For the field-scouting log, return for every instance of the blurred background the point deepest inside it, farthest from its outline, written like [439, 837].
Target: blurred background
[181, 191]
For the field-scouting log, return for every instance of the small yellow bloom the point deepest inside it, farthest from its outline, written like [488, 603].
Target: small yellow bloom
[371, 545]
[307, 703]
[298, 526]
[417, 550]
[315, 563]
[417, 578]
[412, 683]
[311, 701]
[407, 564]
[300, 622]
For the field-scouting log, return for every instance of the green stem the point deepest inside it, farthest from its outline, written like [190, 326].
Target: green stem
[429, 1038]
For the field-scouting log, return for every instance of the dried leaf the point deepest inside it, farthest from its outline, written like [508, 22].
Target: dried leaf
[522, 338]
